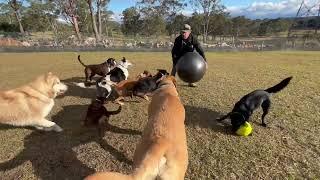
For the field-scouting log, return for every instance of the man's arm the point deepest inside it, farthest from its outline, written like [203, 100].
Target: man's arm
[198, 47]
[174, 51]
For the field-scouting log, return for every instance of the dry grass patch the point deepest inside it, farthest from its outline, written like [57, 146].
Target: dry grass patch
[288, 149]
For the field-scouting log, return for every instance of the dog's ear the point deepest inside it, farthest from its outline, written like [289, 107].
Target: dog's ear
[166, 72]
[147, 73]
[163, 71]
[123, 59]
[110, 60]
[49, 78]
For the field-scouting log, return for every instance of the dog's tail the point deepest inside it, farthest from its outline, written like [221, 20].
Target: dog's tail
[279, 86]
[81, 61]
[115, 112]
[149, 166]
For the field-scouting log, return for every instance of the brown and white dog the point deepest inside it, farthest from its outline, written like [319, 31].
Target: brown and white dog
[162, 151]
[99, 69]
[28, 105]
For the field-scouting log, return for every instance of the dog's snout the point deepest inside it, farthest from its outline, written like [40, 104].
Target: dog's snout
[64, 87]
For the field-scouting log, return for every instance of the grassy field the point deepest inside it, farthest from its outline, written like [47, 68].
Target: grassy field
[288, 148]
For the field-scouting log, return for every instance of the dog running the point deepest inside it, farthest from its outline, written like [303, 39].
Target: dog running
[28, 105]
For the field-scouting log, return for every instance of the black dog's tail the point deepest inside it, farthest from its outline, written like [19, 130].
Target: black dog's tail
[279, 86]
[81, 61]
[114, 112]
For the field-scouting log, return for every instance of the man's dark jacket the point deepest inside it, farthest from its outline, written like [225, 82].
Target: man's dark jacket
[181, 46]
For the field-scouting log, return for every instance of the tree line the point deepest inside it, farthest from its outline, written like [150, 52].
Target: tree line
[146, 18]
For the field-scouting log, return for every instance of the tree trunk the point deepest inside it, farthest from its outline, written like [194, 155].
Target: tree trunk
[9, 19]
[94, 24]
[76, 27]
[54, 27]
[99, 17]
[14, 5]
[206, 27]
[16, 13]
[204, 34]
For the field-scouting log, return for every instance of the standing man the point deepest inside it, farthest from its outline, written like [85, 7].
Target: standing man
[184, 43]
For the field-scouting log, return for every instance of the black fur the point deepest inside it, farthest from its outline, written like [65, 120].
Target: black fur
[148, 84]
[96, 111]
[103, 93]
[244, 108]
[116, 75]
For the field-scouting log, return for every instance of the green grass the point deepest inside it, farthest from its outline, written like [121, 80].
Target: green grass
[288, 149]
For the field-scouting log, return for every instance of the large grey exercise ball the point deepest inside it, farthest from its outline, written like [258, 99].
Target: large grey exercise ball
[191, 67]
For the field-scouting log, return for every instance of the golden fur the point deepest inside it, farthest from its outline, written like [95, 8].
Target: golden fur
[162, 151]
[28, 105]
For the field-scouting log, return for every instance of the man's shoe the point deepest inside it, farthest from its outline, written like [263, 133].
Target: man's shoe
[192, 85]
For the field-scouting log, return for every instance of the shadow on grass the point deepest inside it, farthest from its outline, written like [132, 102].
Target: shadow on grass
[51, 154]
[76, 91]
[205, 118]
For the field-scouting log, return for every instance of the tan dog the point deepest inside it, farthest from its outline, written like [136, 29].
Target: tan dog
[162, 152]
[28, 105]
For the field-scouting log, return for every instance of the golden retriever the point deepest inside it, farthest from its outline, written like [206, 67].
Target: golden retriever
[162, 152]
[28, 105]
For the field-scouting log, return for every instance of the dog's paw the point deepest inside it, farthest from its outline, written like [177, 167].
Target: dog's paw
[57, 128]
[120, 103]
[146, 98]
[39, 127]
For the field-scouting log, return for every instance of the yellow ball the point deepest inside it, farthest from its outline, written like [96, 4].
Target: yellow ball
[245, 129]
